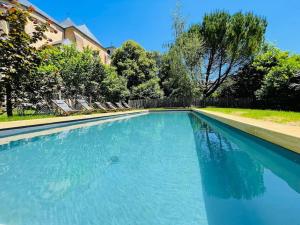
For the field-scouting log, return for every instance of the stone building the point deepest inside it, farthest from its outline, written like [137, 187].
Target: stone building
[66, 32]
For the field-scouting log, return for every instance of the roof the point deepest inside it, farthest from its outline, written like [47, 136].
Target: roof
[65, 24]
[27, 4]
[82, 28]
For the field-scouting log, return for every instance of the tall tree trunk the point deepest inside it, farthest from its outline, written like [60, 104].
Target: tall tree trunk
[9, 108]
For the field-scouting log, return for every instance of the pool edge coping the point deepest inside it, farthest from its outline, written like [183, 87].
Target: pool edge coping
[12, 125]
[282, 135]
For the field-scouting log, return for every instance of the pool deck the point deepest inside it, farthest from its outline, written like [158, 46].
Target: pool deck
[54, 120]
[283, 135]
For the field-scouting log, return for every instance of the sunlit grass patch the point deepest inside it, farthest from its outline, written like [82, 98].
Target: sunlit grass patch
[286, 117]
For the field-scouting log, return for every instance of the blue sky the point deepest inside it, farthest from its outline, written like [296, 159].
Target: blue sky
[149, 21]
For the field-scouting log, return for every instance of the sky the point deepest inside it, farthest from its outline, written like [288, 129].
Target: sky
[149, 22]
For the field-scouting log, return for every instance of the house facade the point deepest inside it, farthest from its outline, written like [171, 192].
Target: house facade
[63, 33]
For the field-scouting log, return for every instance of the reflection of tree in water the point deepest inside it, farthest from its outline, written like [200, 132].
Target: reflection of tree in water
[226, 172]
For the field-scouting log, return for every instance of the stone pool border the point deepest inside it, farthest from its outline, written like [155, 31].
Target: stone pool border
[283, 135]
[16, 130]
[62, 119]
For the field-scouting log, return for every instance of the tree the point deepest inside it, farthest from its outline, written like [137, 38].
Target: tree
[45, 84]
[18, 56]
[229, 42]
[180, 67]
[114, 87]
[281, 79]
[243, 84]
[137, 66]
[175, 79]
[78, 73]
[248, 80]
[149, 89]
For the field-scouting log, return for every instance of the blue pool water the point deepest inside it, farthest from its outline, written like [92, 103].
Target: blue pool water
[155, 169]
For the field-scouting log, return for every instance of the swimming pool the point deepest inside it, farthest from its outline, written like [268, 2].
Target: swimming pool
[166, 168]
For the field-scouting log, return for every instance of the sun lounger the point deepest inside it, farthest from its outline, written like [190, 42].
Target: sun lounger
[84, 105]
[61, 107]
[70, 103]
[111, 106]
[120, 106]
[43, 107]
[101, 107]
[126, 105]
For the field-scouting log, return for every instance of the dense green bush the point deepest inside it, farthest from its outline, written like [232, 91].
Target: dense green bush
[278, 81]
[149, 89]
[272, 77]
[113, 86]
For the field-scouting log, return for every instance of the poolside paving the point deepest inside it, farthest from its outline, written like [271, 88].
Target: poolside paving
[287, 136]
[44, 121]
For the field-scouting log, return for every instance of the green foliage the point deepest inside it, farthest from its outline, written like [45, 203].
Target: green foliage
[243, 84]
[180, 67]
[230, 42]
[18, 56]
[114, 87]
[149, 89]
[281, 70]
[204, 56]
[137, 66]
[44, 84]
[175, 79]
[78, 73]
[274, 75]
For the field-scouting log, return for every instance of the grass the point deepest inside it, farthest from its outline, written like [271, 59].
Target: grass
[284, 117]
[27, 116]
[30, 116]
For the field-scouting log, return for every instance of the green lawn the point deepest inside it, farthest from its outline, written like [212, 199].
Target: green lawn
[285, 117]
[4, 118]
[29, 116]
